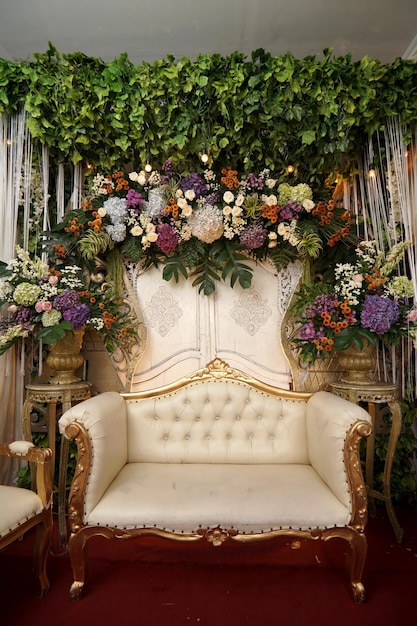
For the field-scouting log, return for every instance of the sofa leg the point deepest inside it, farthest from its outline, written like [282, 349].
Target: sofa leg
[359, 548]
[356, 558]
[76, 547]
[41, 550]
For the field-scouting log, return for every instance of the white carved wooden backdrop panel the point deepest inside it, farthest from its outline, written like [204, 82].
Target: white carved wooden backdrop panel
[185, 330]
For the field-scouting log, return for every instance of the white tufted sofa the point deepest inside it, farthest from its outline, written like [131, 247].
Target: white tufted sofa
[217, 455]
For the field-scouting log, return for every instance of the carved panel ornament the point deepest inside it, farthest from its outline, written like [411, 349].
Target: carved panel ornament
[162, 313]
[252, 312]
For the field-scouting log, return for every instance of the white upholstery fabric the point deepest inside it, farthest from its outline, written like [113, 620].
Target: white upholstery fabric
[104, 416]
[217, 422]
[16, 506]
[21, 447]
[329, 418]
[249, 498]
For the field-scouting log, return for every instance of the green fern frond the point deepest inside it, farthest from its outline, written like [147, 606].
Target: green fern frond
[92, 244]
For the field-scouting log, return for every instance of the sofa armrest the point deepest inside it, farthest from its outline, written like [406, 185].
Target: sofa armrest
[334, 429]
[41, 457]
[99, 428]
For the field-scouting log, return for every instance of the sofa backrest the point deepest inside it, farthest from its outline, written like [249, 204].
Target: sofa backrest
[216, 421]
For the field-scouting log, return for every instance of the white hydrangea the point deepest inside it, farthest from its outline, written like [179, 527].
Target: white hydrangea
[207, 223]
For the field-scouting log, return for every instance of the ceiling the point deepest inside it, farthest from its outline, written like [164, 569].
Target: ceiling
[152, 29]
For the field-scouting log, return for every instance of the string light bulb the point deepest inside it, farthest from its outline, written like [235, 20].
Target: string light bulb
[290, 169]
[204, 156]
[372, 170]
[148, 165]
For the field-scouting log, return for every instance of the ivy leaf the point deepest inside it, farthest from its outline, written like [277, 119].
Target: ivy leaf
[308, 137]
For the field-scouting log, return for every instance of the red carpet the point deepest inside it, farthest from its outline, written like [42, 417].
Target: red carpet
[155, 583]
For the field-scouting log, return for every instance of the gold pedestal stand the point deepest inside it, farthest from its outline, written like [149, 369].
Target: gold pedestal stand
[374, 395]
[44, 404]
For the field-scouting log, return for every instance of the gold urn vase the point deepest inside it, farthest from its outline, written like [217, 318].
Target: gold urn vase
[65, 357]
[357, 364]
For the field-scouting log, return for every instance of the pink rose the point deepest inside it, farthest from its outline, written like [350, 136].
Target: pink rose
[39, 307]
[12, 308]
[412, 316]
[46, 306]
[52, 281]
[357, 278]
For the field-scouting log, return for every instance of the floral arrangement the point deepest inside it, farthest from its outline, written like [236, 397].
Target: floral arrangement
[364, 301]
[45, 301]
[201, 225]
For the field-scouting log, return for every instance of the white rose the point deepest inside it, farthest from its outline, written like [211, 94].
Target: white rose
[308, 205]
[272, 244]
[150, 228]
[102, 211]
[282, 230]
[270, 183]
[134, 176]
[236, 211]
[270, 200]
[190, 194]
[142, 178]
[187, 211]
[240, 199]
[272, 236]
[182, 203]
[179, 193]
[152, 236]
[136, 231]
[228, 197]
[227, 210]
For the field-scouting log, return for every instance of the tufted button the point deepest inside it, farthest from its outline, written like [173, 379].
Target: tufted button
[217, 417]
[187, 437]
[247, 401]
[208, 437]
[228, 401]
[156, 418]
[238, 417]
[187, 401]
[259, 417]
[206, 400]
[198, 418]
[272, 436]
[250, 436]
[166, 437]
[177, 419]
[281, 417]
[229, 436]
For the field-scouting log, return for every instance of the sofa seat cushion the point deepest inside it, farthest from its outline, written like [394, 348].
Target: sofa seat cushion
[249, 498]
[18, 505]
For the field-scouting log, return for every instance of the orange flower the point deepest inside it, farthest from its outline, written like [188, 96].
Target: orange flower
[229, 178]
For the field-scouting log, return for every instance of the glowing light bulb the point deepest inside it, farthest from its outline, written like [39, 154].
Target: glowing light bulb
[290, 169]
[372, 170]
[148, 167]
[204, 156]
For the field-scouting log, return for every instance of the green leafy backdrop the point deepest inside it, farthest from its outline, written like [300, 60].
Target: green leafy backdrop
[262, 110]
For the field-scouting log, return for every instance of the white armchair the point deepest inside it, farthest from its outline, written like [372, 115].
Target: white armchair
[22, 509]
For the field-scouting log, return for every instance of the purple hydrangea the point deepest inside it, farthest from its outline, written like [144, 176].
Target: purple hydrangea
[309, 333]
[253, 236]
[134, 199]
[379, 314]
[253, 183]
[167, 238]
[77, 315]
[67, 300]
[24, 315]
[290, 211]
[195, 182]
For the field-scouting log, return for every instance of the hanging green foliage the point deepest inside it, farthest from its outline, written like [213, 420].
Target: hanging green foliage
[263, 110]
